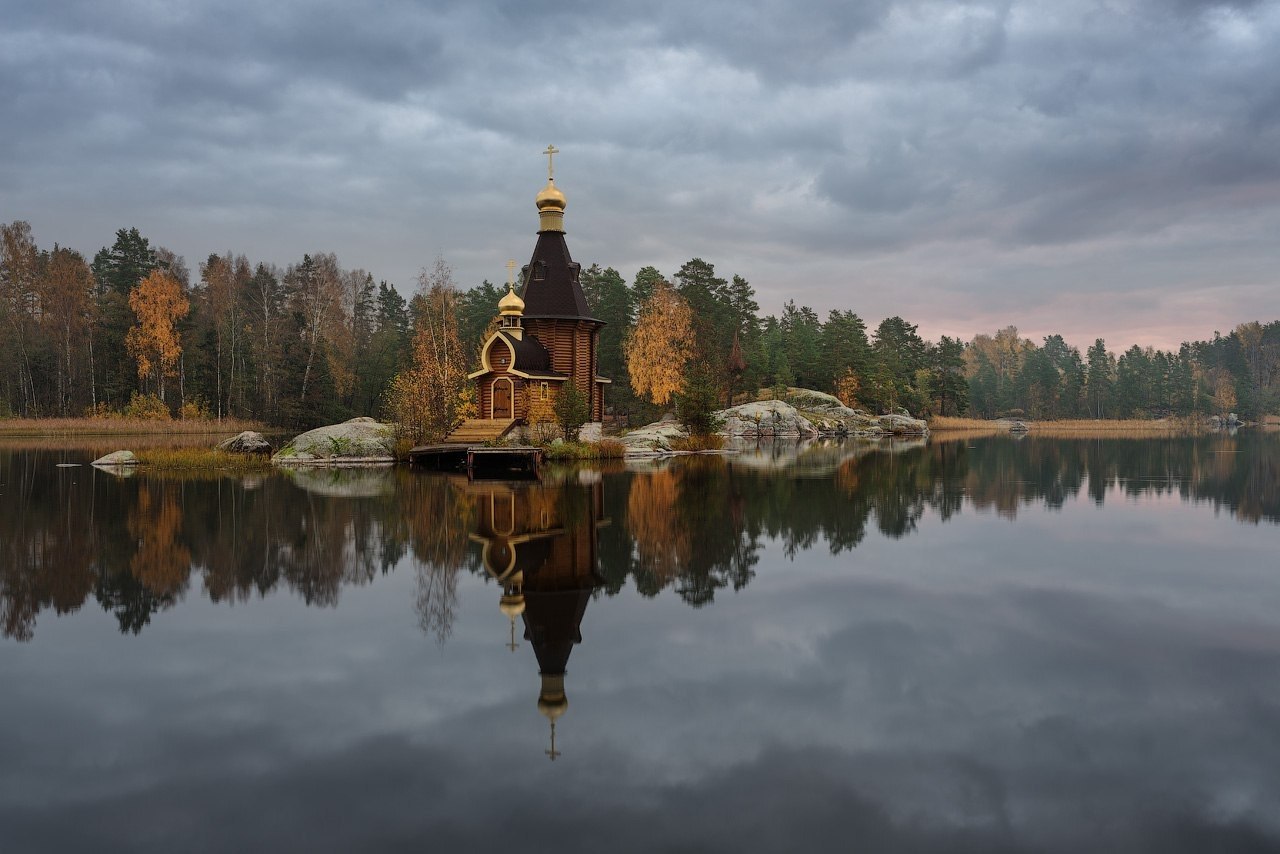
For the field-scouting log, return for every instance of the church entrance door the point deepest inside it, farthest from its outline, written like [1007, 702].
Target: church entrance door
[502, 398]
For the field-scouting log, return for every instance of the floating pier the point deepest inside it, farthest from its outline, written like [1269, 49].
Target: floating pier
[479, 461]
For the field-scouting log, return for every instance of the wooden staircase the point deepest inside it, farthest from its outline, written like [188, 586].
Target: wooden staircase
[477, 431]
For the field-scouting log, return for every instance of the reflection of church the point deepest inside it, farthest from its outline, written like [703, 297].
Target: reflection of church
[539, 542]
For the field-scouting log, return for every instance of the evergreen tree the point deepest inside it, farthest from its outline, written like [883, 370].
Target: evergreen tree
[899, 354]
[696, 404]
[947, 386]
[476, 310]
[844, 345]
[1099, 379]
[610, 301]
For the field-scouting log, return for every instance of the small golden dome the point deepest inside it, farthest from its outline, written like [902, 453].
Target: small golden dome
[550, 197]
[511, 303]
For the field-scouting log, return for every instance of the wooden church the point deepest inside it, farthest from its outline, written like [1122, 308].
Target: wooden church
[546, 338]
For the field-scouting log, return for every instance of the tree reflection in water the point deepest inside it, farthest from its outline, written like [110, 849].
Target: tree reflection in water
[694, 525]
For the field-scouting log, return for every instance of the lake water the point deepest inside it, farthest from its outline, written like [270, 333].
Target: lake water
[984, 645]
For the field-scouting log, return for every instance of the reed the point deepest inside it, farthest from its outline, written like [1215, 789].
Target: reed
[974, 426]
[605, 449]
[200, 459]
[117, 425]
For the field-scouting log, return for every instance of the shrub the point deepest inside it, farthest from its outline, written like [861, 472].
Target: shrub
[542, 418]
[147, 407]
[193, 409]
[101, 409]
[572, 409]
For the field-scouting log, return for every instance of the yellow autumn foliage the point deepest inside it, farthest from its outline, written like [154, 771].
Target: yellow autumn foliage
[660, 346]
[158, 303]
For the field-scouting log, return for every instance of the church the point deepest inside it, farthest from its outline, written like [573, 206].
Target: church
[546, 337]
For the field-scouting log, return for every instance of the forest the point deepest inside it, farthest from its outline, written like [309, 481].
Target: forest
[135, 331]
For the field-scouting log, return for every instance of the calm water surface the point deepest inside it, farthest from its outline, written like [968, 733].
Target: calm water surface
[985, 645]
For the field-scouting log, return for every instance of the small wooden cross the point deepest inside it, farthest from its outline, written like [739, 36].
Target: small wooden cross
[551, 152]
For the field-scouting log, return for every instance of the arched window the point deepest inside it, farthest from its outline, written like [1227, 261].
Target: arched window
[539, 271]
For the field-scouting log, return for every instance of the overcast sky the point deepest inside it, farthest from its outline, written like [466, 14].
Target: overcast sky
[1091, 167]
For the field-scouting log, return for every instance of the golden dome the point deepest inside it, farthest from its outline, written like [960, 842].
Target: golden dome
[511, 303]
[550, 197]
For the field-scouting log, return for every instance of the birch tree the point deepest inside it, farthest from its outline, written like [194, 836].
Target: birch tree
[660, 346]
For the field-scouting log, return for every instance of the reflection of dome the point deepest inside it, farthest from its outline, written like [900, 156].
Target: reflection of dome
[512, 605]
[511, 304]
[552, 702]
[550, 197]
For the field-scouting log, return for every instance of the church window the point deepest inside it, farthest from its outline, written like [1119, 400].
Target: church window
[539, 271]
[543, 391]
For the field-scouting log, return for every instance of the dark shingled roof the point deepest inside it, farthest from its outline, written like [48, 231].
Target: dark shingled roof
[530, 356]
[557, 293]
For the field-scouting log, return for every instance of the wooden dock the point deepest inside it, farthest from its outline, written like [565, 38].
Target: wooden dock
[479, 461]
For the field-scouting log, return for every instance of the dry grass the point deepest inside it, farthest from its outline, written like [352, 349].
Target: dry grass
[201, 459]
[116, 426]
[954, 426]
[605, 449]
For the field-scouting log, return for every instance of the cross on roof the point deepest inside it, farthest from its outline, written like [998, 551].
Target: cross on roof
[551, 152]
[511, 275]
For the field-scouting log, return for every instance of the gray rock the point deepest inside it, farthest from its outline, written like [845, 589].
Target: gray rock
[247, 442]
[591, 432]
[765, 418]
[807, 413]
[903, 425]
[360, 441]
[117, 458]
[652, 438]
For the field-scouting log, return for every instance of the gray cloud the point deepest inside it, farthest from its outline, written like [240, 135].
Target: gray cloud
[845, 138]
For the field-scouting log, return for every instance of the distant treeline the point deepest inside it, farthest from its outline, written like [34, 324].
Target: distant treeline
[314, 343]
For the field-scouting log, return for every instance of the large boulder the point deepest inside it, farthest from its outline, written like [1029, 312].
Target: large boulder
[117, 458]
[360, 441]
[247, 442]
[652, 438]
[765, 418]
[903, 425]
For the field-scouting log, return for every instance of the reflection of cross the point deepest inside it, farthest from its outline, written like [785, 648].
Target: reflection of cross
[511, 275]
[553, 753]
[513, 646]
[551, 151]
